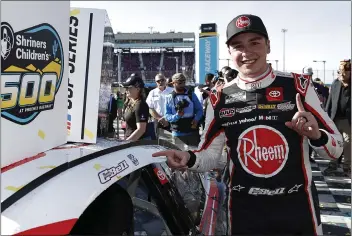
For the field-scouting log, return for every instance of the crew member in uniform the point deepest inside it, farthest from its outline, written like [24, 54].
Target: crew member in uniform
[136, 111]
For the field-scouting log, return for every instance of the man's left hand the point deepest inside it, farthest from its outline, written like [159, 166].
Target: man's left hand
[304, 123]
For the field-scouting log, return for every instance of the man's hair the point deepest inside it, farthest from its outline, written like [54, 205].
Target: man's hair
[159, 76]
[317, 80]
[178, 76]
[209, 77]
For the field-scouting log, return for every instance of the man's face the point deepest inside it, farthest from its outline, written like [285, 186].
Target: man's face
[345, 72]
[248, 52]
[160, 82]
[179, 84]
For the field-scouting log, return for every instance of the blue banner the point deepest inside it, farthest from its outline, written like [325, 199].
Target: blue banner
[208, 56]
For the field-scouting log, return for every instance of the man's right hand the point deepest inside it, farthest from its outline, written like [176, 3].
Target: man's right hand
[175, 159]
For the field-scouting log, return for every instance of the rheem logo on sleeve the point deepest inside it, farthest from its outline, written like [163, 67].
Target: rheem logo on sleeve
[31, 71]
[262, 151]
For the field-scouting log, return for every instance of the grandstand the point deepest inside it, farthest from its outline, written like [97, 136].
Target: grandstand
[152, 53]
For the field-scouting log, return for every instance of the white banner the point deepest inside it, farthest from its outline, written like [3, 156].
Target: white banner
[34, 72]
[85, 59]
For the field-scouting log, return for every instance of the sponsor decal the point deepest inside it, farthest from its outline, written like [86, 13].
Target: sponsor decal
[242, 121]
[31, 71]
[262, 151]
[294, 188]
[301, 82]
[133, 159]
[246, 120]
[237, 188]
[246, 109]
[256, 191]
[268, 192]
[161, 176]
[236, 97]
[230, 123]
[242, 22]
[227, 112]
[285, 106]
[213, 97]
[142, 117]
[72, 49]
[266, 106]
[274, 94]
[107, 174]
[268, 117]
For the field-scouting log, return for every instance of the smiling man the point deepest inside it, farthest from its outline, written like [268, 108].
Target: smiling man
[269, 120]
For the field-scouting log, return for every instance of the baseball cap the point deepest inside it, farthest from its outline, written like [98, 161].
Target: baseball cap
[245, 23]
[178, 77]
[134, 80]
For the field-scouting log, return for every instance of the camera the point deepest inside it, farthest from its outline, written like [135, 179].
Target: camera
[181, 105]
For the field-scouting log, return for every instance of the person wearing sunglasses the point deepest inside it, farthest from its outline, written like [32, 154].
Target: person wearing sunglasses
[156, 101]
[183, 112]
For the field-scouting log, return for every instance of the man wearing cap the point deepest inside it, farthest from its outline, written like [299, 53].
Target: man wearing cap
[156, 101]
[269, 119]
[183, 112]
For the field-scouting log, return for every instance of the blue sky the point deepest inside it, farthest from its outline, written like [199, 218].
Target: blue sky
[317, 30]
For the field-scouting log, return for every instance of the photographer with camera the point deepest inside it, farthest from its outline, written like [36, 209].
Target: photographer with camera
[183, 112]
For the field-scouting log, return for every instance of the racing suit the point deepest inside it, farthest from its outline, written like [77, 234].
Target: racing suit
[270, 187]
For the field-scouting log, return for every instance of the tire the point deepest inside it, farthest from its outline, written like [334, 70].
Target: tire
[110, 214]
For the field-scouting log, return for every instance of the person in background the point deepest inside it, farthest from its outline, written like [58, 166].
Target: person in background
[338, 106]
[169, 82]
[136, 112]
[156, 101]
[308, 71]
[203, 95]
[183, 112]
[322, 90]
[112, 115]
[228, 74]
[120, 104]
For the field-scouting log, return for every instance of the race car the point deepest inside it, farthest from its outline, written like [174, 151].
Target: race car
[91, 189]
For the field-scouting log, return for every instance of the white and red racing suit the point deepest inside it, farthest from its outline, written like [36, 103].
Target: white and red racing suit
[270, 187]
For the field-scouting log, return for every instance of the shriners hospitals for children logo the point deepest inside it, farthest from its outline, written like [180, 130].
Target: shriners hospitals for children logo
[31, 71]
[262, 151]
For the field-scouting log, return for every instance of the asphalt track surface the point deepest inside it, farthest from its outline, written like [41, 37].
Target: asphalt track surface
[334, 196]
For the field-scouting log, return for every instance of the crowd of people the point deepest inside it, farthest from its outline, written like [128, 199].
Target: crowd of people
[267, 124]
